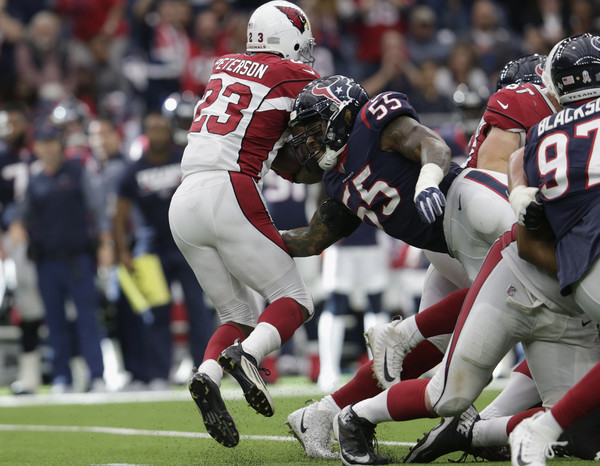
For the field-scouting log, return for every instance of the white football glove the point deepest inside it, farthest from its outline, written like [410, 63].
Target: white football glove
[527, 206]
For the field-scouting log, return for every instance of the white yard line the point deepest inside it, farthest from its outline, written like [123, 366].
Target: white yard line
[233, 393]
[144, 396]
[151, 433]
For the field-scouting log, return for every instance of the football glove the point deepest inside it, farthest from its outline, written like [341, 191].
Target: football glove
[429, 200]
[430, 204]
[527, 205]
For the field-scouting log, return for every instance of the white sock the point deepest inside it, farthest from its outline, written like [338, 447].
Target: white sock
[549, 425]
[490, 432]
[327, 403]
[331, 329]
[374, 409]
[410, 329]
[263, 340]
[520, 394]
[212, 368]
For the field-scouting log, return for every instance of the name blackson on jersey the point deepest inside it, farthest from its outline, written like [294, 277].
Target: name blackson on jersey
[568, 115]
[241, 67]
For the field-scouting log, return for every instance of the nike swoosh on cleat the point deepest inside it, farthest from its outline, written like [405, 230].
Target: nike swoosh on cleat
[520, 462]
[303, 428]
[386, 374]
[583, 324]
[358, 459]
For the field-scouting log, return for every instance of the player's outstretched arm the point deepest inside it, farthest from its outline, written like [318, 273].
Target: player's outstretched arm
[422, 145]
[416, 142]
[331, 222]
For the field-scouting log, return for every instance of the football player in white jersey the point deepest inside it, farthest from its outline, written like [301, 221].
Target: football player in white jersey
[218, 216]
[555, 177]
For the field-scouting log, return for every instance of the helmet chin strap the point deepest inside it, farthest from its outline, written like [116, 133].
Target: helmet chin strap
[330, 157]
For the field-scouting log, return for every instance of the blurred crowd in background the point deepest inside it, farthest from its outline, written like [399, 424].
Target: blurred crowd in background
[96, 69]
[123, 58]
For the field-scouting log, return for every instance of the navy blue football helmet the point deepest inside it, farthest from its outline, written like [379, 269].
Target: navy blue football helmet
[526, 69]
[332, 101]
[572, 70]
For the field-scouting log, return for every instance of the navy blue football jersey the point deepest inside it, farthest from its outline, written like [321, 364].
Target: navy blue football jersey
[286, 201]
[562, 159]
[379, 186]
[150, 187]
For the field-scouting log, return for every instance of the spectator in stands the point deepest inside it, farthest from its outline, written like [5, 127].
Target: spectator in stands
[43, 57]
[330, 35]
[493, 44]
[461, 68]
[396, 72]
[166, 43]
[371, 21]
[92, 18]
[583, 17]
[12, 32]
[424, 96]
[205, 48]
[424, 41]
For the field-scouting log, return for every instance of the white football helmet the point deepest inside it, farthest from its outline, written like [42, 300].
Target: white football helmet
[283, 28]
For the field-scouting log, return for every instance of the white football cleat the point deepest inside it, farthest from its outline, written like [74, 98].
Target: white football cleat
[531, 444]
[389, 346]
[313, 429]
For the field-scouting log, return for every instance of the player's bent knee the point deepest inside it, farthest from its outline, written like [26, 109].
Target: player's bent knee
[452, 407]
[307, 307]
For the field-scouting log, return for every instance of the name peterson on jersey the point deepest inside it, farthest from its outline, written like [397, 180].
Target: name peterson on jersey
[241, 120]
[241, 67]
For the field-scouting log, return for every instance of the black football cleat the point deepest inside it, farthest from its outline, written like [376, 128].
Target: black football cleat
[243, 368]
[451, 434]
[356, 437]
[219, 423]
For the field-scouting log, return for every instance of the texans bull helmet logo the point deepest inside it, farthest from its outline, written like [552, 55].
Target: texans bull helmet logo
[337, 90]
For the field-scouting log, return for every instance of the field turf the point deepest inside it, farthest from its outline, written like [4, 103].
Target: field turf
[166, 429]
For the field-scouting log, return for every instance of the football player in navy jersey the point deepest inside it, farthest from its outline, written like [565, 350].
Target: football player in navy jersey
[383, 167]
[317, 236]
[556, 177]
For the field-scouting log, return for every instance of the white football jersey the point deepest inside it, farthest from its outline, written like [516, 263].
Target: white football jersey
[241, 121]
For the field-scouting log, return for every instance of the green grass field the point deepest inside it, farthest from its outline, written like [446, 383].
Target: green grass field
[138, 429]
